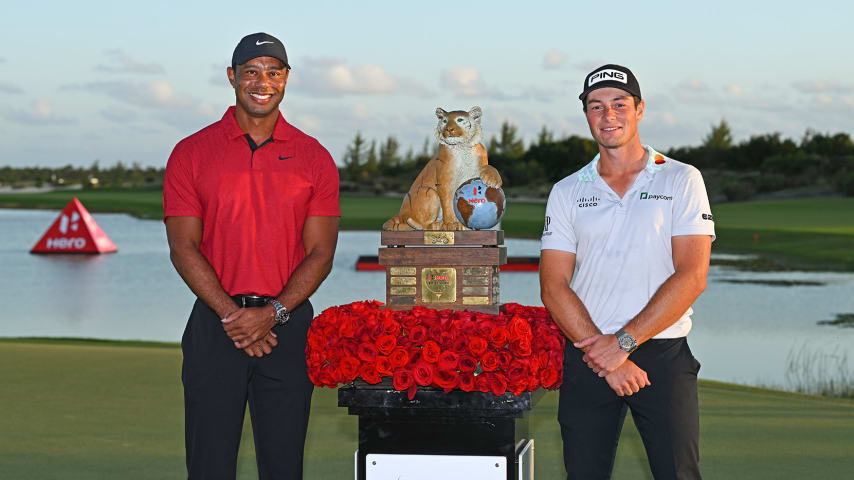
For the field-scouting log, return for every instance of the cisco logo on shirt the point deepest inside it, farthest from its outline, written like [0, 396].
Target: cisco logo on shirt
[588, 201]
[654, 196]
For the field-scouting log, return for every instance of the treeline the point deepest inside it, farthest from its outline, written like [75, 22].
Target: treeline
[94, 176]
[816, 164]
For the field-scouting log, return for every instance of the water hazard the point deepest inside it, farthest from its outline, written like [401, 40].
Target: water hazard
[746, 324]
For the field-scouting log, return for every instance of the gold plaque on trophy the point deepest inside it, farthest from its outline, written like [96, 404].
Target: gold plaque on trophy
[438, 285]
[438, 238]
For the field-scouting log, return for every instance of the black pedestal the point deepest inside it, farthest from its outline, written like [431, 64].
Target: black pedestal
[436, 423]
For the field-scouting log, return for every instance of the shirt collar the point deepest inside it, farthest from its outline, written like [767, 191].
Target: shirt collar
[656, 163]
[282, 130]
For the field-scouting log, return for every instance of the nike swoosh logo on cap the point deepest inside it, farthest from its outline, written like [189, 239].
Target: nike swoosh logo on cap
[259, 42]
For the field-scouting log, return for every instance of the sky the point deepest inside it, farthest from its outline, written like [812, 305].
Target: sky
[114, 81]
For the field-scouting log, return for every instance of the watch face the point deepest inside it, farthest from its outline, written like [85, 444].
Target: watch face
[626, 342]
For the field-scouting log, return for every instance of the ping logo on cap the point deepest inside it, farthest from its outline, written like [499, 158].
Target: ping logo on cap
[608, 74]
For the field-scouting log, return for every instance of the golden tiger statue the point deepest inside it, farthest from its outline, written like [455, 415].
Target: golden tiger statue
[429, 203]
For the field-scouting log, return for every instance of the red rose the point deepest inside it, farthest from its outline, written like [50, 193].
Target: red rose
[519, 328]
[316, 358]
[369, 373]
[383, 365]
[391, 327]
[517, 388]
[446, 379]
[477, 346]
[418, 334]
[489, 361]
[446, 339]
[430, 352]
[402, 379]
[517, 372]
[423, 373]
[481, 383]
[447, 360]
[349, 368]
[467, 363]
[460, 345]
[521, 347]
[548, 377]
[367, 352]
[534, 364]
[329, 376]
[466, 382]
[399, 357]
[505, 358]
[498, 337]
[497, 383]
[386, 343]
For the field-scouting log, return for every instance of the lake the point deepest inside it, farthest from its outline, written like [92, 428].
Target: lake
[744, 331]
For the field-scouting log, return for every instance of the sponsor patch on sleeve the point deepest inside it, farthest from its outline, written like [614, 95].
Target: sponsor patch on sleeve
[708, 216]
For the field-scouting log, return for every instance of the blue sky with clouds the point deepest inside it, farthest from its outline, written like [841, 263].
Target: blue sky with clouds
[81, 81]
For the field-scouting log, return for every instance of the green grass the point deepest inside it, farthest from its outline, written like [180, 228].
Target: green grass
[82, 410]
[803, 233]
[815, 233]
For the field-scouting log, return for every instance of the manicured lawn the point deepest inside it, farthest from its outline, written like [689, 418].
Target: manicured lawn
[82, 410]
[802, 233]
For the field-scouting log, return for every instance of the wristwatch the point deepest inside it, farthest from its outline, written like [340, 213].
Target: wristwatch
[282, 313]
[626, 342]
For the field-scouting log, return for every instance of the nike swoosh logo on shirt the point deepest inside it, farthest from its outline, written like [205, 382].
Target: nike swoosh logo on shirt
[259, 42]
[285, 158]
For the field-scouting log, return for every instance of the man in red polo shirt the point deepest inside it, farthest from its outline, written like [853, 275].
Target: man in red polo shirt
[251, 212]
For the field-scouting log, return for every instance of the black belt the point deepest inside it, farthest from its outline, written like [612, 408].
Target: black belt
[244, 301]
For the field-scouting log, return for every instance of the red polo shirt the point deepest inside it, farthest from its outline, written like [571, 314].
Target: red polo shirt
[252, 204]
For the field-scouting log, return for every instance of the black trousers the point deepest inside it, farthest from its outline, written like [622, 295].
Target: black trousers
[218, 381]
[666, 413]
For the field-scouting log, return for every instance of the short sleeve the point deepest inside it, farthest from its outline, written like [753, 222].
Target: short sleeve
[558, 232]
[324, 200]
[692, 214]
[179, 193]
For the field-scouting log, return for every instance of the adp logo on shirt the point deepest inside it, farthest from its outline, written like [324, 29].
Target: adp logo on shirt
[654, 196]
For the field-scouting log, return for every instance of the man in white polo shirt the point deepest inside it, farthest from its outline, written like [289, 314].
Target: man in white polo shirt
[625, 252]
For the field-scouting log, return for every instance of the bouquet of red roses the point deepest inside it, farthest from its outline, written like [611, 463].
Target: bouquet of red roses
[519, 350]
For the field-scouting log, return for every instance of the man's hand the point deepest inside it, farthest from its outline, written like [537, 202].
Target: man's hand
[604, 354]
[627, 379]
[262, 347]
[248, 325]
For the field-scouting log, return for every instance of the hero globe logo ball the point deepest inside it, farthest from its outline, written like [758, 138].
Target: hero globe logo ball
[478, 206]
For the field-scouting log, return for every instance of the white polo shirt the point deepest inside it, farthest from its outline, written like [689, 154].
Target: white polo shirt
[622, 245]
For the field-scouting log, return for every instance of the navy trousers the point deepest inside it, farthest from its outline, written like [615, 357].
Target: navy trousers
[666, 414]
[219, 380]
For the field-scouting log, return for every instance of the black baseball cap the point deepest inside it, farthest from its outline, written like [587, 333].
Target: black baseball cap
[258, 45]
[610, 76]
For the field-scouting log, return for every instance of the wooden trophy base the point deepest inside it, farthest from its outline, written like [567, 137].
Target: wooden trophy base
[443, 269]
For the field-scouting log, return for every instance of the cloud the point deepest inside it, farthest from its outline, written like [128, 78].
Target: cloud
[119, 115]
[2, 59]
[735, 91]
[333, 77]
[831, 87]
[218, 76]
[10, 89]
[118, 62]
[41, 113]
[184, 112]
[152, 94]
[468, 82]
[554, 59]
[464, 81]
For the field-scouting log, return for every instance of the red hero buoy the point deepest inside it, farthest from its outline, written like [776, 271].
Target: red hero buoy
[74, 231]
